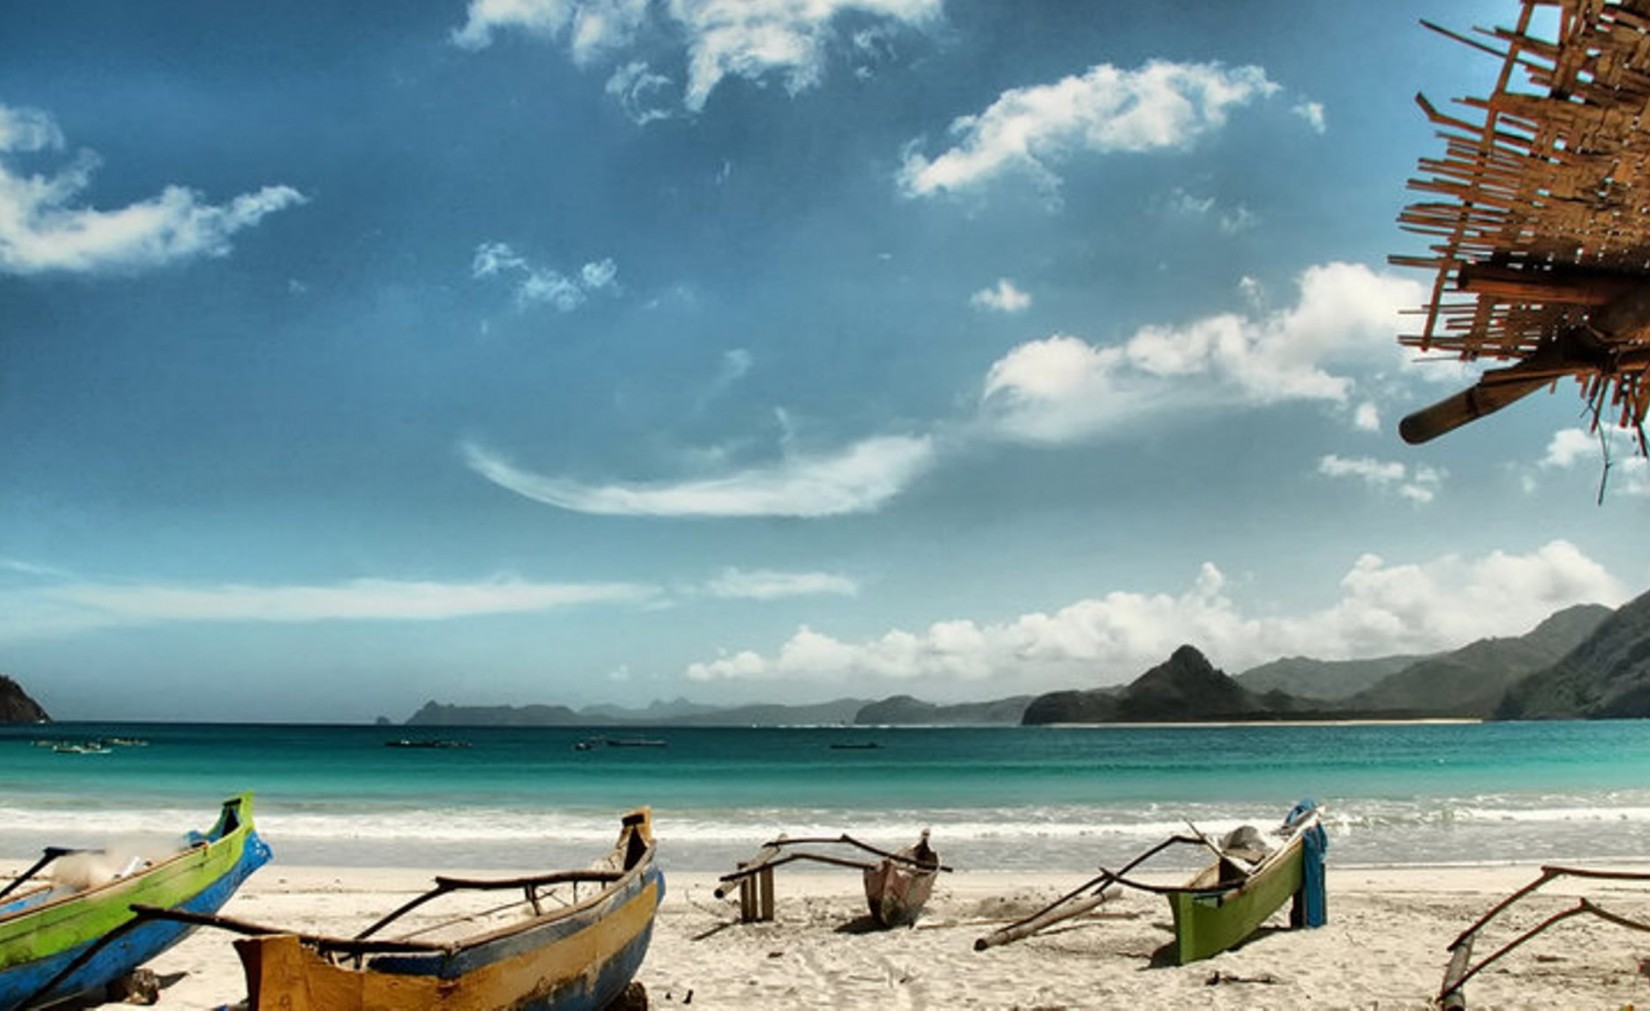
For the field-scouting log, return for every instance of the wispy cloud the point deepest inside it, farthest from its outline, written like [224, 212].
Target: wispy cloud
[32, 570]
[43, 228]
[1062, 388]
[77, 606]
[1106, 110]
[1383, 609]
[539, 284]
[1312, 112]
[1002, 297]
[756, 40]
[1230, 221]
[1418, 483]
[860, 478]
[766, 584]
[641, 93]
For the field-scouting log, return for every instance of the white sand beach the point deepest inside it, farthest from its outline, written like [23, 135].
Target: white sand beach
[1384, 945]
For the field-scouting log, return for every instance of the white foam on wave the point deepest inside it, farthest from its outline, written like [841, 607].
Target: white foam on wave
[1365, 830]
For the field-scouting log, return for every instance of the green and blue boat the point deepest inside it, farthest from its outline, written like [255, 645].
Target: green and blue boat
[1229, 899]
[50, 932]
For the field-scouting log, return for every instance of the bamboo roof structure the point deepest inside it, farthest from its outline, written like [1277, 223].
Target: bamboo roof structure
[1539, 216]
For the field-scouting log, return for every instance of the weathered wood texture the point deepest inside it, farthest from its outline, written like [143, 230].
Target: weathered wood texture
[1539, 210]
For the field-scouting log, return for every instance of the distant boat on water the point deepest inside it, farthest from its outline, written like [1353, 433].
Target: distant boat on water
[590, 743]
[426, 743]
[854, 745]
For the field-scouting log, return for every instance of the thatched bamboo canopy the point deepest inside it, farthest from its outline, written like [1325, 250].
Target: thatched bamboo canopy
[1539, 212]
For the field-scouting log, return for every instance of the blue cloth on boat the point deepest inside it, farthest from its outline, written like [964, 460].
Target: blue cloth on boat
[1314, 844]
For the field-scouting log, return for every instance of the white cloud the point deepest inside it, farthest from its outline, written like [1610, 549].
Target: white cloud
[860, 478]
[537, 284]
[1004, 297]
[1162, 105]
[1238, 219]
[1230, 222]
[1367, 417]
[1312, 112]
[1062, 388]
[1570, 448]
[640, 93]
[67, 607]
[1382, 609]
[764, 584]
[1184, 202]
[44, 228]
[592, 27]
[1418, 483]
[751, 39]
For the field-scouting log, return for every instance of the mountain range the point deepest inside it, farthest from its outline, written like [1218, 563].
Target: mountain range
[1552, 671]
[1586, 661]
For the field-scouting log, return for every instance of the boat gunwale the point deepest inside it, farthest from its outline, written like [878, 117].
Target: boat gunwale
[105, 891]
[626, 881]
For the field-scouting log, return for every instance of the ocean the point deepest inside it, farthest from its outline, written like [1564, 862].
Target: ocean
[996, 798]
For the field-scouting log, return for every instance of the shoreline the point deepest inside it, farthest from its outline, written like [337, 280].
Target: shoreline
[1384, 944]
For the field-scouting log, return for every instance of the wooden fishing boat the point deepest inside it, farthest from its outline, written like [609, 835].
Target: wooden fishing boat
[1229, 899]
[539, 950]
[50, 932]
[897, 887]
[1225, 902]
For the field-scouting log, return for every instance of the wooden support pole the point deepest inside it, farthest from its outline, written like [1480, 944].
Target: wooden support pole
[756, 895]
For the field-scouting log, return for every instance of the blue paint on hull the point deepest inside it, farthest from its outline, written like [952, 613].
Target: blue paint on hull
[611, 979]
[614, 976]
[134, 948]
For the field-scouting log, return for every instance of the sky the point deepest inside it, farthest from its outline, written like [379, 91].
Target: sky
[547, 351]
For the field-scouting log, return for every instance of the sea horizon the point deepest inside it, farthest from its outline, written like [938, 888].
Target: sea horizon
[995, 798]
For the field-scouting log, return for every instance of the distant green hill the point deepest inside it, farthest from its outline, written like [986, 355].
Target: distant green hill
[435, 714]
[16, 706]
[1471, 681]
[772, 715]
[1606, 676]
[1323, 679]
[904, 710]
[1183, 688]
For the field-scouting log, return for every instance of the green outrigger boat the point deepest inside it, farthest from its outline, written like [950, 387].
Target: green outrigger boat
[1225, 902]
[1230, 898]
[50, 931]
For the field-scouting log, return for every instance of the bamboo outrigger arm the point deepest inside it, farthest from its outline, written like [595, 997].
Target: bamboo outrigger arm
[1461, 968]
[47, 856]
[772, 855]
[1074, 903]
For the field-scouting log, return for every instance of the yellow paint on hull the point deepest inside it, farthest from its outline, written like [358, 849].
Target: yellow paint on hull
[285, 975]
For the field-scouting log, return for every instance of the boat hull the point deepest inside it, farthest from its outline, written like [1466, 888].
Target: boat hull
[1207, 922]
[38, 941]
[896, 894]
[580, 960]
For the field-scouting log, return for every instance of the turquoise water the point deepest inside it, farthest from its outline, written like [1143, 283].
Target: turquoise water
[997, 798]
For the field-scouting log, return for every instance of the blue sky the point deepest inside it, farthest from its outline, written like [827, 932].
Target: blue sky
[548, 351]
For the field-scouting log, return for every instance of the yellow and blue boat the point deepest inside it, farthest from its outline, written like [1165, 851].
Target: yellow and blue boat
[540, 955]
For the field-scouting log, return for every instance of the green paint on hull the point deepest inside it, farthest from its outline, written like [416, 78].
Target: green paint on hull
[58, 924]
[1207, 922]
